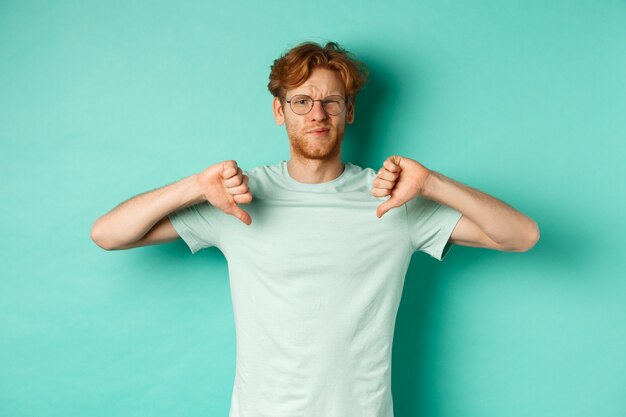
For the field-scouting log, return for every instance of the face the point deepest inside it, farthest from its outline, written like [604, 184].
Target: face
[315, 135]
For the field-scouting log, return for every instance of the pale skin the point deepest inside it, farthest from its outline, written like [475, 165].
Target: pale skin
[315, 149]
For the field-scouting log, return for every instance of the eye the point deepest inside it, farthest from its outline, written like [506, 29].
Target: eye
[300, 100]
[333, 99]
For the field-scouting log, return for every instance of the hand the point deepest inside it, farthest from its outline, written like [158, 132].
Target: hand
[402, 179]
[225, 186]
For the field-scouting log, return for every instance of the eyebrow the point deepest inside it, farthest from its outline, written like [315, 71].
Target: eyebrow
[309, 94]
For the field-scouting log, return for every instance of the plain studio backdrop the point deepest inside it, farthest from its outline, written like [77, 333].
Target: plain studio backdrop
[100, 101]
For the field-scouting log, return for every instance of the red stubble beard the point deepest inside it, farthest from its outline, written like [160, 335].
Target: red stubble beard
[308, 146]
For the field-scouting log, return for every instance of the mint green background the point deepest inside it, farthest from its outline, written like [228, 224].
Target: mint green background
[102, 101]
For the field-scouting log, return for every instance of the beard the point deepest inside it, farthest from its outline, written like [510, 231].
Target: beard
[318, 148]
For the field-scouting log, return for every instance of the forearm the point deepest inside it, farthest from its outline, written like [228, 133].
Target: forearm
[132, 219]
[501, 222]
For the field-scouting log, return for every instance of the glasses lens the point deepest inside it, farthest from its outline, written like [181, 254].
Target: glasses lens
[333, 105]
[301, 104]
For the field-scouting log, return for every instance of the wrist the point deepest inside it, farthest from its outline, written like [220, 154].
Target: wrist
[431, 184]
[194, 192]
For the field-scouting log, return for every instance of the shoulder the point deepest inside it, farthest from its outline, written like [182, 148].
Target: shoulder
[261, 170]
[263, 178]
[362, 172]
[358, 178]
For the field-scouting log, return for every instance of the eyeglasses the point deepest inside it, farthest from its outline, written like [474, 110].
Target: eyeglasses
[302, 104]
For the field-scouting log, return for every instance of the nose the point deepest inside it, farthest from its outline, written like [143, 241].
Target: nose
[318, 112]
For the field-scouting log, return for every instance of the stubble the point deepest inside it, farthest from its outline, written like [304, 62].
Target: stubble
[309, 147]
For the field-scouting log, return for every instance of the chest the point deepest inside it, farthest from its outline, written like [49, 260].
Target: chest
[295, 238]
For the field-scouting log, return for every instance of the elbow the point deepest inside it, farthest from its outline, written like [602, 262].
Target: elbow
[531, 239]
[98, 237]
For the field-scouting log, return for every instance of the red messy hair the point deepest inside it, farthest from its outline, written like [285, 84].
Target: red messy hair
[294, 67]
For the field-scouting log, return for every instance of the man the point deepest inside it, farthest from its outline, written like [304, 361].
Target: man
[317, 260]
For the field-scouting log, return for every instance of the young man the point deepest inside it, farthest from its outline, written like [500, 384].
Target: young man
[317, 260]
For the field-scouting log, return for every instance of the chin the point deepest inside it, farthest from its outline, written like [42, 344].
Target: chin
[322, 157]
[324, 148]
[319, 153]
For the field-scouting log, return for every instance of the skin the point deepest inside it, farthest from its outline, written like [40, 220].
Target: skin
[486, 221]
[315, 158]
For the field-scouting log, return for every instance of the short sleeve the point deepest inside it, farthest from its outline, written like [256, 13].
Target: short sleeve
[430, 226]
[197, 225]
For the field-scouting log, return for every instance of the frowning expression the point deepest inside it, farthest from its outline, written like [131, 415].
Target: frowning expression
[317, 134]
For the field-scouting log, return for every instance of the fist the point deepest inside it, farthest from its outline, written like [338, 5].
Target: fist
[400, 178]
[224, 186]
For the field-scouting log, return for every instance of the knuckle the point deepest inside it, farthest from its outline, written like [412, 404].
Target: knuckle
[230, 168]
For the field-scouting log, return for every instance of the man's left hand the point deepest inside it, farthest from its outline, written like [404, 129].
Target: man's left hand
[402, 179]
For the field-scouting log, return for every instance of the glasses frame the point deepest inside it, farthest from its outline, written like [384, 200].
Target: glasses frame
[343, 99]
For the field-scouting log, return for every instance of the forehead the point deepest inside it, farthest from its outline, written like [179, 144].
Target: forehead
[322, 82]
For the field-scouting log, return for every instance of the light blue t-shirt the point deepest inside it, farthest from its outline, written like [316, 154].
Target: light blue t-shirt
[316, 282]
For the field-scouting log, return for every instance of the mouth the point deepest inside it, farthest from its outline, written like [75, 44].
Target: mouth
[319, 132]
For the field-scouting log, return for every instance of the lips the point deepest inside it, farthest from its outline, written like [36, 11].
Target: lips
[319, 130]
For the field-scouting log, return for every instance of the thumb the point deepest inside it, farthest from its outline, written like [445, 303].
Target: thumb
[393, 163]
[386, 206]
[241, 214]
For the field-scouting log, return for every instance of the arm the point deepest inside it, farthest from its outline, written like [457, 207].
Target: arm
[142, 220]
[486, 222]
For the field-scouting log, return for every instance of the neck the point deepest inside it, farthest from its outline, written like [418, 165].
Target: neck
[314, 171]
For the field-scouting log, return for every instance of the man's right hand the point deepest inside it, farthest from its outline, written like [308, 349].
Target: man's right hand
[224, 186]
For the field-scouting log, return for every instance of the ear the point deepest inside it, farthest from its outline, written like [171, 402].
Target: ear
[279, 116]
[350, 113]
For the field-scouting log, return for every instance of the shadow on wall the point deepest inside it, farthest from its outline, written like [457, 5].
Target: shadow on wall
[376, 109]
[418, 345]
[376, 95]
[417, 337]
[412, 344]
